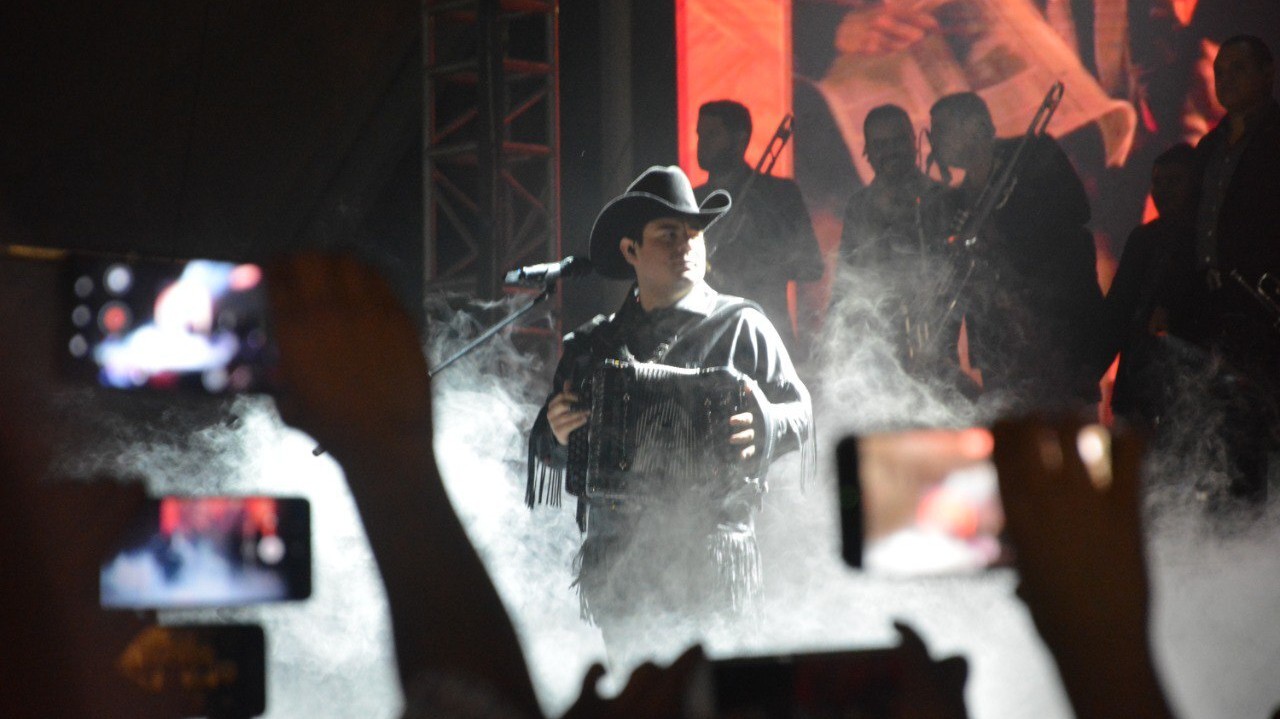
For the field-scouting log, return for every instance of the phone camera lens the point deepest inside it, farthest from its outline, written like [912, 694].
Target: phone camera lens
[81, 316]
[118, 279]
[270, 550]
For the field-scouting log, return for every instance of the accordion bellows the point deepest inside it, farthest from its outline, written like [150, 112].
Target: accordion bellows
[656, 432]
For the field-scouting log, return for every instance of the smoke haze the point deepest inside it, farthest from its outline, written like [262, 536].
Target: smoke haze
[1217, 587]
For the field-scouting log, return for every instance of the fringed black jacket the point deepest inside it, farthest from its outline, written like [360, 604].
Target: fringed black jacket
[704, 329]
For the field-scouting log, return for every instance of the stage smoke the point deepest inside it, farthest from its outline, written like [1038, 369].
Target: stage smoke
[1216, 580]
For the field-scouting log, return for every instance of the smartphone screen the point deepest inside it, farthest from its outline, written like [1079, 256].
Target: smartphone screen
[196, 325]
[847, 683]
[185, 552]
[222, 666]
[921, 502]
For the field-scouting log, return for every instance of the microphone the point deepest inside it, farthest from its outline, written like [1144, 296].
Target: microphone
[545, 274]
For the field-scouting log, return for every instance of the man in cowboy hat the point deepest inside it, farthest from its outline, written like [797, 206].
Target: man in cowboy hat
[686, 549]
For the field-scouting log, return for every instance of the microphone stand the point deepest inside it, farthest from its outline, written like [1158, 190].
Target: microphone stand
[546, 292]
[484, 336]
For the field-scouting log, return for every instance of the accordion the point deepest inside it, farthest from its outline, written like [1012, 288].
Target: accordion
[654, 430]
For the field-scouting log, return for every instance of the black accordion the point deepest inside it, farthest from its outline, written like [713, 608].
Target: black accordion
[654, 430]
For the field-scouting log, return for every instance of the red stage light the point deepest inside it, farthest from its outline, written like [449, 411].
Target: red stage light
[733, 50]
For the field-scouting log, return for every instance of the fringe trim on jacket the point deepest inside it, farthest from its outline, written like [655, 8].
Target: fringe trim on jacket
[734, 556]
[545, 483]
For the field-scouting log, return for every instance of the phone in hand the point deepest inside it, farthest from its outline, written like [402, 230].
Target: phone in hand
[921, 502]
[186, 552]
[221, 667]
[165, 325]
[863, 682]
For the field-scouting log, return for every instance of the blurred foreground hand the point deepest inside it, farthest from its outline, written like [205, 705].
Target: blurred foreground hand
[352, 372]
[1075, 522]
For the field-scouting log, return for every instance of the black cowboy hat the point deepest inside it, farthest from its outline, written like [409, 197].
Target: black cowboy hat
[657, 192]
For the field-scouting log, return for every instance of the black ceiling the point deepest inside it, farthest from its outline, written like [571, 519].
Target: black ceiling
[232, 128]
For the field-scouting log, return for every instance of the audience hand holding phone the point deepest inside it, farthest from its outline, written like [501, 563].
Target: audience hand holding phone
[650, 692]
[352, 374]
[1076, 528]
[351, 370]
[61, 650]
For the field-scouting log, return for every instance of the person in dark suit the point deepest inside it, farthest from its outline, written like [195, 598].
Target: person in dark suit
[893, 241]
[767, 239]
[1033, 301]
[1237, 245]
[1238, 165]
[1153, 316]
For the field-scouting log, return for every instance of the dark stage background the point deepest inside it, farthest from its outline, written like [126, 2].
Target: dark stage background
[248, 128]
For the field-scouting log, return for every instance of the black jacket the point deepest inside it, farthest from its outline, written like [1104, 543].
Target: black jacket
[705, 329]
[765, 241]
[1035, 308]
[1248, 226]
[688, 550]
[1248, 242]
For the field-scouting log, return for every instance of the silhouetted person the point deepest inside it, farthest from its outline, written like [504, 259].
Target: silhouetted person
[1238, 220]
[767, 239]
[894, 236]
[882, 221]
[1154, 289]
[1033, 302]
[1237, 243]
[1076, 529]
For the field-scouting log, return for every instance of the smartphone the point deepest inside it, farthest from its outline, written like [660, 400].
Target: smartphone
[222, 666]
[921, 502]
[190, 325]
[828, 684]
[186, 552]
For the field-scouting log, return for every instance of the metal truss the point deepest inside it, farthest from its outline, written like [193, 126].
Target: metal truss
[492, 165]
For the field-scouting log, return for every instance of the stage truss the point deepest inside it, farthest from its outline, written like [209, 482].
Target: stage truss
[491, 164]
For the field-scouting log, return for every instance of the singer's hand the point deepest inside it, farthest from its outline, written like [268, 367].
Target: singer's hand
[743, 435]
[742, 429]
[562, 416]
